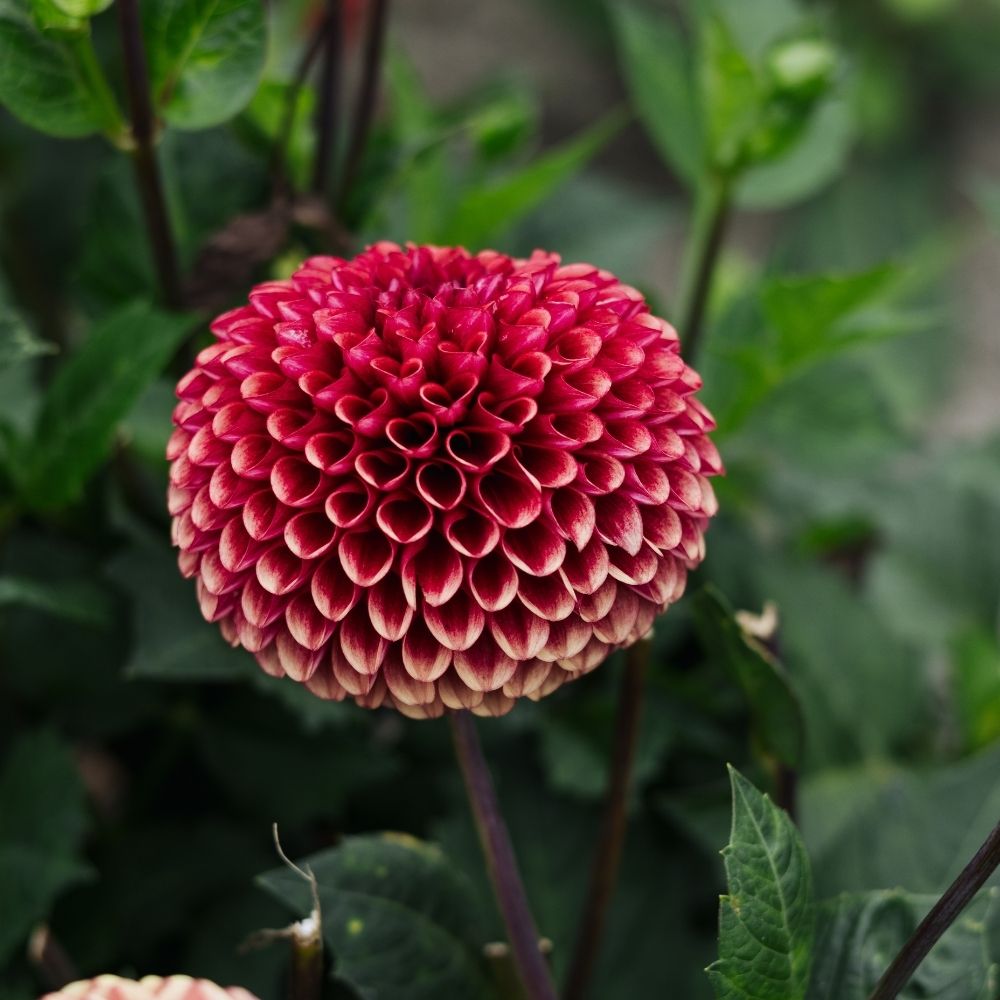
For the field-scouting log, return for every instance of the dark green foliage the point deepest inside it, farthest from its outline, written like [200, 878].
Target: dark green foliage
[143, 761]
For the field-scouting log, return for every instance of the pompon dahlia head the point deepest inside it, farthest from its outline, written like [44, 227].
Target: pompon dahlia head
[148, 988]
[432, 479]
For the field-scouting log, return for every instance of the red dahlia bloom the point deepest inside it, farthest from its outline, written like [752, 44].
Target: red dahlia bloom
[148, 988]
[433, 479]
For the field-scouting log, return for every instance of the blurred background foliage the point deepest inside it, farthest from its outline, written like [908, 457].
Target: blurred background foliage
[850, 357]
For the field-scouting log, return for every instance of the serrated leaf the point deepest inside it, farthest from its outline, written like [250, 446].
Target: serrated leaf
[484, 212]
[766, 920]
[655, 60]
[92, 391]
[50, 80]
[205, 57]
[859, 935]
[778, 725]
[397, 917]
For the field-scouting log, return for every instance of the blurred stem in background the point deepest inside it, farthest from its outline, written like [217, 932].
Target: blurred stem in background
[147, 171]
[942, 915]
[364, 109]
[279, 160]
[708, 229]
[604, 871]
[329, 97]
[500, 861]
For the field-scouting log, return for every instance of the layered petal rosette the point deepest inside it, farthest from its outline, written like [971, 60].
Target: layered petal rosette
[148, 988]
[437, 480]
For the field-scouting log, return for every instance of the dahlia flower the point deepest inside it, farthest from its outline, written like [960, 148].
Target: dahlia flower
[148, 988]
[439, 480]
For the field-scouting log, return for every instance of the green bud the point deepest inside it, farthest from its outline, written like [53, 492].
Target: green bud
[801, 68]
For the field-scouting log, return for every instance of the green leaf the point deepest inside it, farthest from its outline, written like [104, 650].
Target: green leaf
[575, 745]
[82, 8]
[731, 94]
[766, 921]
[423, 175]
[937, 576]
[171, 640]
[882, 824]
[501, 120]
[42, 819]
[78, 600]
[17, 342]
[51, 80]
[812, 162]
[977, 687]
[806, 319]
[90, 394]
[397, 917]
[859, 935]
[656, 63]
[861, 694]
[806, 311]
[205, 57]
[774, 705]
[484, 212]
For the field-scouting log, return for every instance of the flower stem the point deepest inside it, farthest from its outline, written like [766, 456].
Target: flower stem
[365, 106]
[708, 227]
[329, 97]
[147, 171]
[943, 914]
[500, 860]
[279, 156]
[604, 869]
[306, 977]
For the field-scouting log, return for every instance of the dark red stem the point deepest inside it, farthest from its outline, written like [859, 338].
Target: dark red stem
[364, 109]
[147, 170]
[329, 97]
[500, 860]
[607, 858]
[943, 914]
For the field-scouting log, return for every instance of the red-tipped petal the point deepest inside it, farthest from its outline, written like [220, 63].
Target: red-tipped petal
[484, 666]
[388, 610]
[366, 556]
[456, 624]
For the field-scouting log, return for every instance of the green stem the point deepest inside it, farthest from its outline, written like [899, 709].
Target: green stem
[708, 227]
[93, 79]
